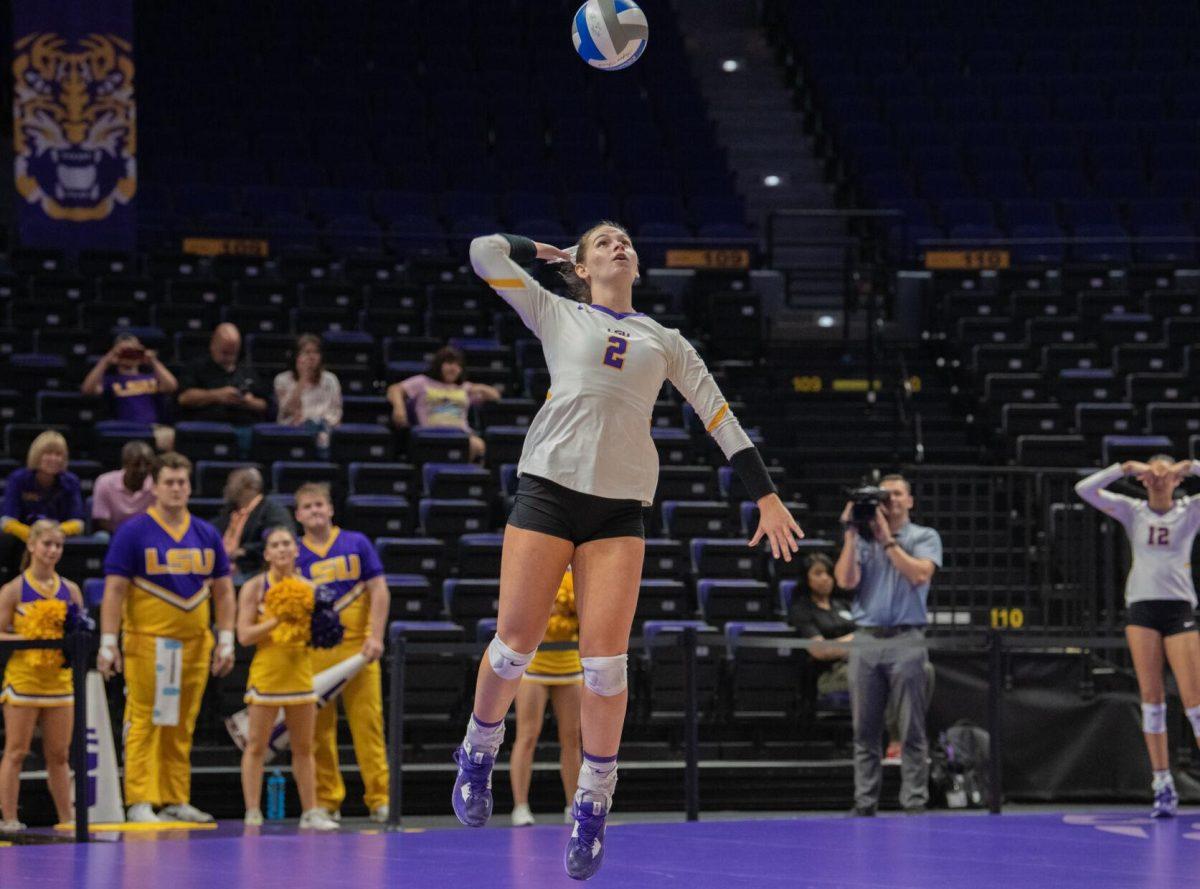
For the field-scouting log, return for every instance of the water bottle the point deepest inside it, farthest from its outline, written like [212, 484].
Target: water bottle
[275, 796]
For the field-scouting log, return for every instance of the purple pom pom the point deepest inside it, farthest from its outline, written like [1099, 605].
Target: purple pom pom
[327, 629]
[77, 621]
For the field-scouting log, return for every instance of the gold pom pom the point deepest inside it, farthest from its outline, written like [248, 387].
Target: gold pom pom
[291, 601]
[43, 620]
[564, 623]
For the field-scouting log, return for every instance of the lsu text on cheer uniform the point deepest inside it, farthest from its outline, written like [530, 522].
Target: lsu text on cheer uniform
[170, 569]
[344, 564]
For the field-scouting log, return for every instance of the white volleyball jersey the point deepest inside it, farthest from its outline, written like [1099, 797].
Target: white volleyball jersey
[607, 368]
[1161, 543]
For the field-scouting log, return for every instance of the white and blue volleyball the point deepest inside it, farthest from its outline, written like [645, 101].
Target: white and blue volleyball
[610, 34]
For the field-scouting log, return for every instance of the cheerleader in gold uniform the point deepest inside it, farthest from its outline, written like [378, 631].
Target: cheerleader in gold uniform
[275, 615]
[37, 683]
[556, 676]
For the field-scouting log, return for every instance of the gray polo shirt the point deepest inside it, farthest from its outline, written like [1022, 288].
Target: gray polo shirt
[885, 597]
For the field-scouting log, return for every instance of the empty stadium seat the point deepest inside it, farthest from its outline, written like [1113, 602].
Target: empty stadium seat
[412, 555]
[722, 600]
[351, 442]
[466, 601]
[378, 515]
[206, 441]
[456, 480]
[765, 681]
[431, 444]
[412, 598]
[451, 518]
[479, 555]
[713, 557]
[692, 518]
[270, 442]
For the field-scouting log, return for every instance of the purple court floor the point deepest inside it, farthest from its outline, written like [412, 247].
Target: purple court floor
[976, 851]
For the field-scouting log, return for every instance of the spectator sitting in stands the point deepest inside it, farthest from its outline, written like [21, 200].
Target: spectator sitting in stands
[245, 518]
[307, 394]
[442, 397]
[222, 389]
[817, 613]
[43, 489]
[134, 392]
[125, 492]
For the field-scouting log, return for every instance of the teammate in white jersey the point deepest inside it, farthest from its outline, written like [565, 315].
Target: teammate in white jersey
[587, 468]
[1160, 598]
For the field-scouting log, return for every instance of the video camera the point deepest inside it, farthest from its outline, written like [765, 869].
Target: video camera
[865, 501]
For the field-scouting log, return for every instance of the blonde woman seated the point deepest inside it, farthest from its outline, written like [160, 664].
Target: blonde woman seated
[557, 677]
[275, 615]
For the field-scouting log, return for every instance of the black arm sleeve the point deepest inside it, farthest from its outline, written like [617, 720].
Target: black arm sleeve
[748, 464]
[521, 249]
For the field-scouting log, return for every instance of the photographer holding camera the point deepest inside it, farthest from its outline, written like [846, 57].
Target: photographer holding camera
[890, 561]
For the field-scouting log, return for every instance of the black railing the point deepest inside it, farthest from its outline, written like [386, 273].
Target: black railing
[77, 648]
[1022, 551]
[997, 647]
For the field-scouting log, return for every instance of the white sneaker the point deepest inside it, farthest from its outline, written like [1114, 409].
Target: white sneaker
[141, 813]
[317, 819]
[522, 816]
[254, 818]
[184, 812]
[11, 826]
[334, 814]
[380, 814]
[568, 816]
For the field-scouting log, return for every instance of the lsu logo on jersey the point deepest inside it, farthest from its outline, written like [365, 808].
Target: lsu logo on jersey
[130, 388]
[333, 569]
[73, 125]
[181, 561]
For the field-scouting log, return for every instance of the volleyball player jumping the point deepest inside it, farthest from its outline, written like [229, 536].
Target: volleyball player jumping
[587, 468]
[1160, 598]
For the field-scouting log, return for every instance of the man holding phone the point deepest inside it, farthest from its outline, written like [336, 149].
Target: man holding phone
[134, 380]
[222, 388]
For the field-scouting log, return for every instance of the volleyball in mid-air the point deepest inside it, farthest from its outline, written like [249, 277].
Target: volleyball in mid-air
[610, 34]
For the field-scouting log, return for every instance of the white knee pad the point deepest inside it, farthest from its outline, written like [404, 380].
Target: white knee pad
[1154, 719]
[1193, 715]
[606, 676]
[506, 663]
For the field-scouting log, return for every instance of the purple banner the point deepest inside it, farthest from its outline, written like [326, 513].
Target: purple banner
[74, 123]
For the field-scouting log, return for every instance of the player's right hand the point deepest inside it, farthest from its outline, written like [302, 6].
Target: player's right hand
[108, 661]
[550, 253]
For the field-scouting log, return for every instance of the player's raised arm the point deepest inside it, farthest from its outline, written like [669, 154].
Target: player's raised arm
[497, 260]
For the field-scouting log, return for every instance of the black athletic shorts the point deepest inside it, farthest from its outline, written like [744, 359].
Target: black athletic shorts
[1169, 617]
[543, 506]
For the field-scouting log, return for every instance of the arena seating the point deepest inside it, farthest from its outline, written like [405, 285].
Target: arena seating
[410, 147]
[1069, 126]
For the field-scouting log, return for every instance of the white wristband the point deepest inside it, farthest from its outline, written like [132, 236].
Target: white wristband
[225, 637]
[108, 640]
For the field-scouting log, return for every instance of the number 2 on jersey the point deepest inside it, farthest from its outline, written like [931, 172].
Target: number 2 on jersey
[1159, 536]
[616, 348]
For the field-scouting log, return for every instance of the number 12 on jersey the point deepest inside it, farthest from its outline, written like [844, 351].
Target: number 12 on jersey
[1159, 536]
[616, 349]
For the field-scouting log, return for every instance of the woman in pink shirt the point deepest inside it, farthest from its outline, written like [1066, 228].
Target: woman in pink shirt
[441, 397]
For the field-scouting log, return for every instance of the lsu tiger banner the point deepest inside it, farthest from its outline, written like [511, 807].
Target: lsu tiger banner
[74, 123]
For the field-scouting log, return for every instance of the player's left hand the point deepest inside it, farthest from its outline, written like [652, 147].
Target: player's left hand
[372, 649]
[222, 660]
[776, 524]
